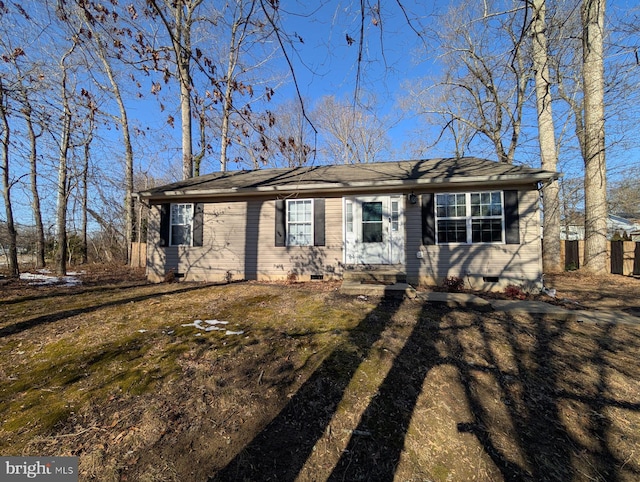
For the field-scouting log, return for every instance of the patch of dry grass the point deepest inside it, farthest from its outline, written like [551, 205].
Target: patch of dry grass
[318, 386]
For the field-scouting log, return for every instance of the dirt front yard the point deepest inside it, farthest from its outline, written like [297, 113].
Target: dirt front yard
[251, 381]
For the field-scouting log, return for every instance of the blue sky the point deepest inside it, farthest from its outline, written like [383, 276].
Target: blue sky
[325, 64]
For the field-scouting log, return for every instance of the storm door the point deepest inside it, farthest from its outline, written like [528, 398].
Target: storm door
[374, 232]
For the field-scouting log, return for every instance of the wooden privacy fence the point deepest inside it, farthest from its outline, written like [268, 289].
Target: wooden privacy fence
[624, 256]
[138, 255]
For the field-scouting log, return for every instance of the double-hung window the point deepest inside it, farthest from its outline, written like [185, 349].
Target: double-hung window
[299, 222]
[476, 217]
[181, 224]
[486, 217]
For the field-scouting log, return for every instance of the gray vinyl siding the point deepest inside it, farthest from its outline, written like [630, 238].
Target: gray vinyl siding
[221, 256]
[511, 263]
[239, 243]
[300, 262]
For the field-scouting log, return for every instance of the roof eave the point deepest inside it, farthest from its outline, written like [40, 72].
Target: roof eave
[357, 186]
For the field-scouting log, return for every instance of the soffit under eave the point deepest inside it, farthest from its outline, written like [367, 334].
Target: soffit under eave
[381, 187]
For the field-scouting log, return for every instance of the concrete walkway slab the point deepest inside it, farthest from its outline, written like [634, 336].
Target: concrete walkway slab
[534, 307]
[598, 316]
[457, 300]
[559, 313]
[473, 302]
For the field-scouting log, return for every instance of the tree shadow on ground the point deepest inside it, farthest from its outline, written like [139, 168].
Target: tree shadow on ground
[536, 395]
[553, 393]
[386, 420]
[24, 325]
[280, 451]
[61, 291]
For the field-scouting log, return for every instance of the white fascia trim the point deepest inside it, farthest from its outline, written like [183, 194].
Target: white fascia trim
[357, 186]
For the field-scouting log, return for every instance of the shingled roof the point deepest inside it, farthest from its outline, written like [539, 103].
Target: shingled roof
[462, 171]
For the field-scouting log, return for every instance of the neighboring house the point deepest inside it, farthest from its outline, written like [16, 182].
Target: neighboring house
[623, 226]
[617, 227]
[430, 219]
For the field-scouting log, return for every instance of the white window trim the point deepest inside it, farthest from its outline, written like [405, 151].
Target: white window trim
[288, 223]
[172, 224]
[468, 218]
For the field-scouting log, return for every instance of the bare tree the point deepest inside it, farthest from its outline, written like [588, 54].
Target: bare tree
[178, 19]
[484, 82]
[7, 182]
[546, 136]
[64, 148]
[89, 127]
[98, 31]
[235, 105]
[349, 134]
[210, 69]
[24, 65]
[292, 137]
[624, 195]
[239, 29]
[595, 175]
[27, 112]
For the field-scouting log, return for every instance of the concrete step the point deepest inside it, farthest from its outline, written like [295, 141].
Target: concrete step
[395, 290]
[375, 276]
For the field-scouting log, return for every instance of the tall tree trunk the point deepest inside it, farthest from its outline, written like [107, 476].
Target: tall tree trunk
[595, 176]
[185, 109]
[546, 135]
[128, 150]
[33, 173]
[238, 36]
[14, 269]
[179, 29]
[227, 102]
[85, 178]
[182, 47]
[62, 191]
[85, 203]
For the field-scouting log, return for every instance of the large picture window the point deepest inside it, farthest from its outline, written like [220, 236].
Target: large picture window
[181, 224]
[470, 217]
[300, 222]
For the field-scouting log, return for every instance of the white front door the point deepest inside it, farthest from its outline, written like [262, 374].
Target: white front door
[374, 231]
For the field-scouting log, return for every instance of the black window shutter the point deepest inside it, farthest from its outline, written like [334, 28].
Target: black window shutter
[318, 222]
[281, 222]
[198, 223]
[428, 219]
[165, 220]
[511, 218]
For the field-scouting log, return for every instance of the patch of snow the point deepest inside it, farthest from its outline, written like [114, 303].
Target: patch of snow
[216, 322]
[43, 277]
[213, 326]
[198, 324]
[71, 280]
